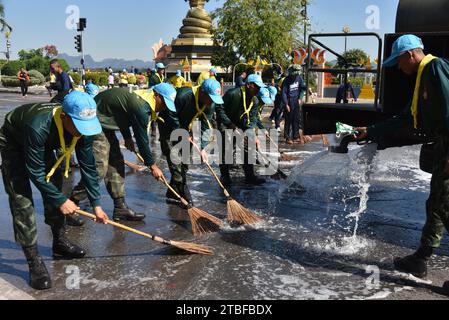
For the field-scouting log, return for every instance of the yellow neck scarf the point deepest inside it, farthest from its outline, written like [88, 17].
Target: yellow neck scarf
[247, 110]
[428, 59]
[200, 111]
[148, 96]
[66, 152]
[161, 78]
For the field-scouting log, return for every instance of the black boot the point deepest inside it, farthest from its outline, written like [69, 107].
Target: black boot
[225, 176]
[250, 176]
[171, 197]
[123, 212]
[416, 264]
[183, 190]
[74, 220]
[446, 288]
[63, 247]
[186, 194]
[39, 277]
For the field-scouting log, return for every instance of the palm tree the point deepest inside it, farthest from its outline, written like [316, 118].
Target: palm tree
[3, 24]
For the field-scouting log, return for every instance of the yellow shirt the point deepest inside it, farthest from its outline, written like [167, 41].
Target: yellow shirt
[203, 77]
[124, 78]
[178, 82]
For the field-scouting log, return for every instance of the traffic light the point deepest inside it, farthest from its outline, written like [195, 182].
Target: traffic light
[82, 24]
[79, 43]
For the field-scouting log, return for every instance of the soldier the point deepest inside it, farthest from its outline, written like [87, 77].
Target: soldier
[265, 97]
[156, 78]
[428, 112]
[239, 111]
[120, 109]
[28, 141]
[197, 103]
[92, 90]
[159, 76]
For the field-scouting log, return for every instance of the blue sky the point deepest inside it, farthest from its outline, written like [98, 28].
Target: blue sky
[128, 29]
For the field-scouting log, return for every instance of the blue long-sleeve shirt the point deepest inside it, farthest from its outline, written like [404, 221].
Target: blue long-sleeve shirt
[292, 88]
[63, 82]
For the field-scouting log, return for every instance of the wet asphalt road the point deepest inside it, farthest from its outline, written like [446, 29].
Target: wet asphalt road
[305, 249]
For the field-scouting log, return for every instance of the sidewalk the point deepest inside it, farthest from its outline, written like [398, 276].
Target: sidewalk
[35, 90]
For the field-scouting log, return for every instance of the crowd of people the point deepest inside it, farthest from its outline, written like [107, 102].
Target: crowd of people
[37, 141]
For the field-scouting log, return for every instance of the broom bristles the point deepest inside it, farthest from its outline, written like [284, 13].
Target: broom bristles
[193, 247]
[240, 215]
[202, 222]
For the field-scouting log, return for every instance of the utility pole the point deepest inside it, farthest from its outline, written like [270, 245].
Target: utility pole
[346, 30]
[8, 45]
[80, 48]
[306, 18]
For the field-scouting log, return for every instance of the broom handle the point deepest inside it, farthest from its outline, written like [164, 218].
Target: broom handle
[184, 202]
[121, 226]
[272, 141]
[213, 172]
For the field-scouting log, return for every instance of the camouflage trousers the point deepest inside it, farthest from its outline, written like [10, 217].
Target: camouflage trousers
[20, 195]
[110, 167]
[438, 202]
[178, 171]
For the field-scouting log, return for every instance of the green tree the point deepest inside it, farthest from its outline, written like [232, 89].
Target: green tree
[224, 57]
[265, 28]
[31, 54]
[354, 58]
[3, 24]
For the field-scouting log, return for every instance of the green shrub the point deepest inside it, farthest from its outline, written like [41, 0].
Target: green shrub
[12, 68]
[34, 74]
[76, 77]
[38, 63]
[98, 78]
[8, 81]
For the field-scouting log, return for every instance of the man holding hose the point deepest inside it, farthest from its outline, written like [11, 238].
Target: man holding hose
[28, 141]
[428, 111]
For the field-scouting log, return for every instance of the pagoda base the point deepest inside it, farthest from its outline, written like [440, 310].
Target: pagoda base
[199, 51]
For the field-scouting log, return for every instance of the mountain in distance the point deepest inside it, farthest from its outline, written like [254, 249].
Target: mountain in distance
[116, 64]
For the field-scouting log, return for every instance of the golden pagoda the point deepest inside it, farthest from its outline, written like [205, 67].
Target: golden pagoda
[194, 41]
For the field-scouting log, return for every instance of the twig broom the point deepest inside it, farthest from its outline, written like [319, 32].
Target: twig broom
[236, 212]
[202, 222]
[187, 246]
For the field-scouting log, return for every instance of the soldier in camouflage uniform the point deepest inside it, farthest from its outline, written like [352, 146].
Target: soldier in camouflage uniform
[120, 109]
[197, 103]
[239, 112]
[28, 141]
[429, 112]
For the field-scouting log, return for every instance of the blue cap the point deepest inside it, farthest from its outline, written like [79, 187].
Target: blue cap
[160, 66]
[403, 44]
[214, 71]
[265, 95]
[178, 73]
[213, 88]
[169, 93]
[256, 79]
[273, 92]
[82, 108]
[92, 90]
